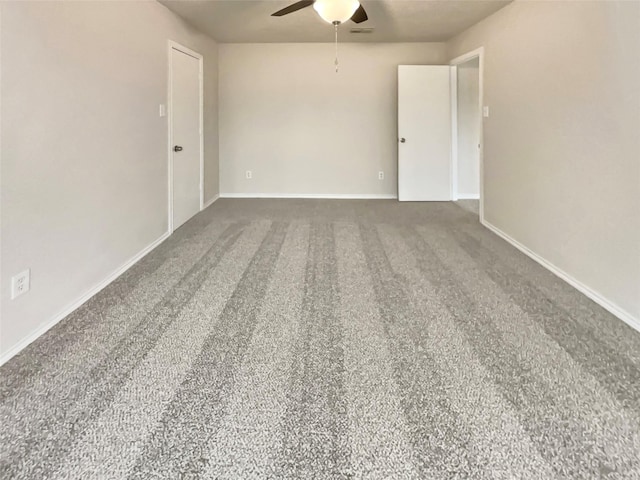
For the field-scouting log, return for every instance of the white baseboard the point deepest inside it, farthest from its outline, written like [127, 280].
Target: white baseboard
[468, 196]
[366, 196]
[6, 356]
[622, 314]
[210, 202]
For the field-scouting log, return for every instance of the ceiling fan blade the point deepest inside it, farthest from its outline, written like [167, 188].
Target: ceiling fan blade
[360, 15]
[293, 8]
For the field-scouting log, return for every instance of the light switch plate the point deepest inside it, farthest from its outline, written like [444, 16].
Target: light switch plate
[485, 111]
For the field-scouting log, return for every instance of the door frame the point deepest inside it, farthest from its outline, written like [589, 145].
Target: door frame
[477, 53]
[171, 45]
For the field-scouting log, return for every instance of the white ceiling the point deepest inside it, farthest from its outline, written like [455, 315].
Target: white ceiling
[249, 21]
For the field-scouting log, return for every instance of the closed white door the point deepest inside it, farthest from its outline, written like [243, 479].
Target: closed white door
[185, 135]
[424, 133]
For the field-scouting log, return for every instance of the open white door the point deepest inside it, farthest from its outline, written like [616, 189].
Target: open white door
[185, 111]
[424, 133]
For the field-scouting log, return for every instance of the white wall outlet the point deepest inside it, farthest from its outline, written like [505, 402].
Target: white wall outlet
[20, 284]
[162, 110]
[380, 175]
[485, 111]
[248, 174]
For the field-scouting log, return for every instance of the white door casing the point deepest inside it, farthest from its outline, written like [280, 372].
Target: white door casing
[185, 134]
[424, 123]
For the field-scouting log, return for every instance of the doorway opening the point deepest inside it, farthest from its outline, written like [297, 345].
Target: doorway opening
[467, 142]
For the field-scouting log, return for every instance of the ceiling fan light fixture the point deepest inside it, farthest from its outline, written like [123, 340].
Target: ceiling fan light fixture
[336, 11]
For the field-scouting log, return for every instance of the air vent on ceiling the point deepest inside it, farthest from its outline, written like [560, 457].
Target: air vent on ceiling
[361, 30]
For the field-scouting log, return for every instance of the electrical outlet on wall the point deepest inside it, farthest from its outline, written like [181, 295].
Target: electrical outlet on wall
[248, 174]
[20, 283]
[380, 175]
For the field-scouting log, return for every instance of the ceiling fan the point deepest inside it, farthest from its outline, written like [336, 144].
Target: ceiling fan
[332, 11]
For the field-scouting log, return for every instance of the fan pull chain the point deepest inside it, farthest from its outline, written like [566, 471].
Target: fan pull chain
[335, 24]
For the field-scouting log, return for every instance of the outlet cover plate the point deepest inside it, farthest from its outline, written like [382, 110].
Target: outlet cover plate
[20, 284]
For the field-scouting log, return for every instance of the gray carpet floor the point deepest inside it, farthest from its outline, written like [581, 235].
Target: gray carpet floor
[472, 206]
[328, 339]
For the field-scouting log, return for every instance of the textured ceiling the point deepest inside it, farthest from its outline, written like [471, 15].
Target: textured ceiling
[248, 21]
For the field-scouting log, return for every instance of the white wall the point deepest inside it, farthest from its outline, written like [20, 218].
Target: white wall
[301, 128]
[84, 151]
[468, 129]
[562, 144]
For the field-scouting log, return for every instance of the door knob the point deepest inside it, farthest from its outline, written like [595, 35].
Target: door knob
[177, 148]
[402, 140]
